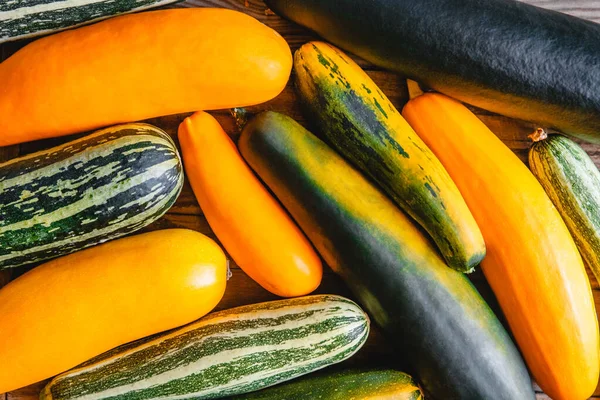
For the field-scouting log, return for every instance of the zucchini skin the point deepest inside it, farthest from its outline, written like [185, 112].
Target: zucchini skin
[343, 385]
[81, 193]
[432, 313]
[358, 120]
[225, 353]
[501, 55]
[572, 181]
[28, 18]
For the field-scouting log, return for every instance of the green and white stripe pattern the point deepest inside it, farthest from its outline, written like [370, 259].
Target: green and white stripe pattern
[572, 181]
[26, 18]
[225, 353]
[86, 192]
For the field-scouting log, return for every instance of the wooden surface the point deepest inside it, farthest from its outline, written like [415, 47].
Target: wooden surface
[186, 212]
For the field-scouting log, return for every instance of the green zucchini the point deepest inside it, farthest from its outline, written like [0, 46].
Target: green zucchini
[572, 182]
[505, 56]
[96, 188]
[224, 354]
[361, 123]
[21, 19]
[343, 385]
[452, 340]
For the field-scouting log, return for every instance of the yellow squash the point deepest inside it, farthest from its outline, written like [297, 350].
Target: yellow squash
[252, 226]
[73, 308]
[532, 263]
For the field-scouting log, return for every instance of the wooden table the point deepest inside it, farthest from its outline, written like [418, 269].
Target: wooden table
[186, 212]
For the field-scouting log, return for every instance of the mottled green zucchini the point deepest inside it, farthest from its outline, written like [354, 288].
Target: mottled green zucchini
[360, 122]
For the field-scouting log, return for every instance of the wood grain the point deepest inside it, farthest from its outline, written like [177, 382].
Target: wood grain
[587, 9]
[186, 212]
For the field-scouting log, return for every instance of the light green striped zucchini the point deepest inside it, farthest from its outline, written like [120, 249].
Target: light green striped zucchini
[96, 188]
[27, 18]
[223, 354]
[572, 182]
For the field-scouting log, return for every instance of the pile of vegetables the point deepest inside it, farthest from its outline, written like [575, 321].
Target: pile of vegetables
[400, 204]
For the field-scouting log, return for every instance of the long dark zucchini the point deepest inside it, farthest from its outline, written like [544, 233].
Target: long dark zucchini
[456, 346]
[502, 55]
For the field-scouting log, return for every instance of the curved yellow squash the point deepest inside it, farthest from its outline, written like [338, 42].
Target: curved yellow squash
[532, 263]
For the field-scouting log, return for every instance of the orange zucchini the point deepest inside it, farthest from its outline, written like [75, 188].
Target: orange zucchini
[73, 308]
[253, 227]
[139, 66]
[532, 263]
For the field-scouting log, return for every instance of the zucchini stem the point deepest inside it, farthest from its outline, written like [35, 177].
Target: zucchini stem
[229, 273]
[414, 89]
[241, 116]
[539, 135]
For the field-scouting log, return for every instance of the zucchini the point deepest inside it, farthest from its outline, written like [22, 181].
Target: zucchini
[453, 342]
[505, 56]
[572, 181]
[360, 122]
[21, 19]
[225, 353]
[96, 188]
[343, 385]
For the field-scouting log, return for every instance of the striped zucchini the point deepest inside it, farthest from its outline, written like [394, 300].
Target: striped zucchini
[572, 182]
[21, 19]
[102, 186]
[225, 353]
[362, 124]
[343, 385]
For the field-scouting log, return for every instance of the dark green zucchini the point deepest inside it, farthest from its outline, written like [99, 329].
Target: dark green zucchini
[455, 344]
[501, 55]
[342, 385]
